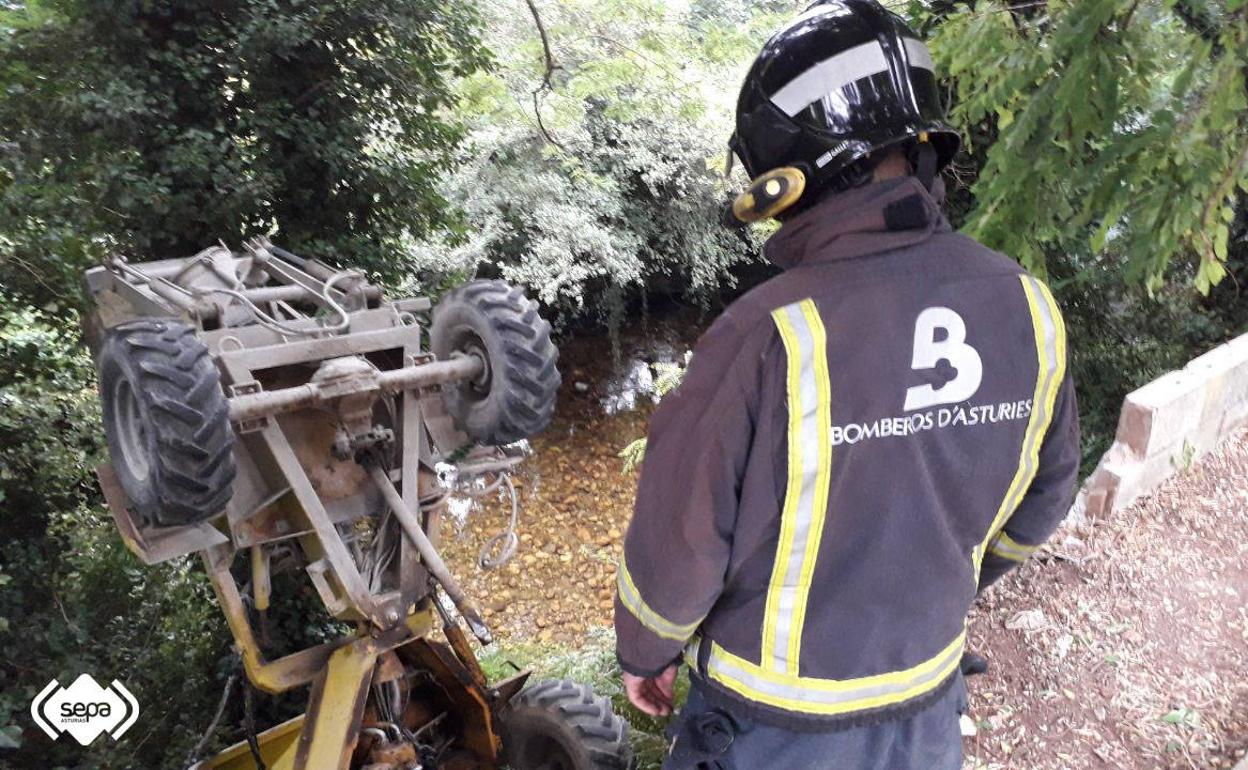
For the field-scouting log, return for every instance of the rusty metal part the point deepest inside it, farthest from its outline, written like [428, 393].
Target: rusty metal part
[459, 643]
[319, 269]
[347, 446]
[294, 670]
[266, 403]
[298, 384]
[276, 294]
[350, 384]
[392, 754]
[261, 583]
[497, 463]
[469, 701]
[283, 517]
[389, 668]
[152, 545]
[502, 692]
[463, 650]
[432, 559]
[312, 439]
[351, 597]
[256, 347]
[166, 289]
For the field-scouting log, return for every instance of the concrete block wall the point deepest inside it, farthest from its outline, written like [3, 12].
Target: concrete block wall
[1168, 424]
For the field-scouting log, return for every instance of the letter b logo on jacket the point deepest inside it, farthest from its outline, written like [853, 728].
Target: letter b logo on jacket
[940, 335]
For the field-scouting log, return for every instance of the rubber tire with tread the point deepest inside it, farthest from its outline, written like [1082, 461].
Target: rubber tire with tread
[568, 719]
[179, 428]
[516, 398]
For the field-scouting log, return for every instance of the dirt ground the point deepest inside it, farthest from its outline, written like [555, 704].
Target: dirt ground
[577, 503]
[1124, 644]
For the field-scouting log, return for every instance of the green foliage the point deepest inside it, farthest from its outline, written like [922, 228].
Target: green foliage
[1122, 337]
[1120, 132]
[1182, 717]
[606, 181]
[72, 599]
[1108, 149]
[154, 129]
[158, 128]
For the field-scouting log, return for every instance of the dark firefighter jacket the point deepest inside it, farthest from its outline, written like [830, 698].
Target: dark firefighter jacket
[859, 444]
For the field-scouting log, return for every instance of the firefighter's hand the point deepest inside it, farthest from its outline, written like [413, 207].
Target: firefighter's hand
[652, 695]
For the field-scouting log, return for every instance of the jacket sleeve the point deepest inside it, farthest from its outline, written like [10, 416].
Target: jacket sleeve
[1047, 499]
[677, 548]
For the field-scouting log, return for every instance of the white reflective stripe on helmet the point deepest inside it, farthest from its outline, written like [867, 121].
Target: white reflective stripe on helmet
[830, 75]
[834, 73]
[918, 54]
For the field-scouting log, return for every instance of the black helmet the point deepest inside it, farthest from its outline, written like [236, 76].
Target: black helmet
[843, 80]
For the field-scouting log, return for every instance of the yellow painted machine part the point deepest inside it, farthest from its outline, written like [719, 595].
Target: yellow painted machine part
[280, 675]
[261, 588]
[277, 749]
[335, 708]
[347, 673]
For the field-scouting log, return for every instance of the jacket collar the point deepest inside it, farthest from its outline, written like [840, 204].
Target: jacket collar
[865, 220]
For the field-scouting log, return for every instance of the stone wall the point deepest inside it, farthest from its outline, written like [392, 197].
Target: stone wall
[1168, 424]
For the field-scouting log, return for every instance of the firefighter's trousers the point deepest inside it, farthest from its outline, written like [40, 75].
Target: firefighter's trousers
[706, 737]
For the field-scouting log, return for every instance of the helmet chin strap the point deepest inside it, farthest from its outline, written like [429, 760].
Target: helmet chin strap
[924, 162]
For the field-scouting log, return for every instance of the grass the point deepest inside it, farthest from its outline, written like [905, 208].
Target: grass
[592, 663]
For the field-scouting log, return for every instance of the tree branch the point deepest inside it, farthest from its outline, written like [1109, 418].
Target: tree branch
[212, 726]
[546, 84]
[1199, 20]
[537, 113]
[551, 65]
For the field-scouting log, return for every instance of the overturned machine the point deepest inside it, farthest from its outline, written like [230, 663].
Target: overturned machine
[270, 404]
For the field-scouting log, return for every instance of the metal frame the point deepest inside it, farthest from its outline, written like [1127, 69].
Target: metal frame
[275, 379]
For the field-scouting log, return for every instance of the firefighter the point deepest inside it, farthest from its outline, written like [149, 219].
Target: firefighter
[860, 444]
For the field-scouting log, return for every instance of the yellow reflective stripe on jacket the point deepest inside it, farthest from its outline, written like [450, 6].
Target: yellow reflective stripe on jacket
[831, 696]
[630, 597]
[809, 399]
[1008, 548]
[690, 652]
[1050, 336]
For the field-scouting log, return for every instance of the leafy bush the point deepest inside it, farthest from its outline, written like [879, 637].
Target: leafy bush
[74, 600]
[1122, 337]
[599, 178]
[1114, 126]
[1107, 150]
[174, 124]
